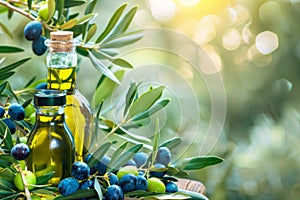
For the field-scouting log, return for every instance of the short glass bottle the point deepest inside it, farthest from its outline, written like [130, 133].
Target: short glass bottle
[62, 66]
[50, 141]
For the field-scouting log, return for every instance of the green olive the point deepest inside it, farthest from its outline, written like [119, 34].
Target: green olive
[156, 185]
[43, 12]
[29, 177]
[29, 110]
[127, 170]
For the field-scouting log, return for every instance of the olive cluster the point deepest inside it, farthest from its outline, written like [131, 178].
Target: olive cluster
[136, 175]
[10, 113]
[33, 32]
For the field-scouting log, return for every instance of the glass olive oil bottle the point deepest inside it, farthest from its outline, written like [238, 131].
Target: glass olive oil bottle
[50, 141]
[61, 63]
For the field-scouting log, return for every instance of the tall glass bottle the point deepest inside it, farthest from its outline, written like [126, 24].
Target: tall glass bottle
[50, 141]
[61, 63]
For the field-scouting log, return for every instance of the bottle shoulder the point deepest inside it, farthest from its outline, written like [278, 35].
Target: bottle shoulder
[78, 99]
[51, 130]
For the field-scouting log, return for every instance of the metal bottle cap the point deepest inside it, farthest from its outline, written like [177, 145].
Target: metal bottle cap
[49, 98]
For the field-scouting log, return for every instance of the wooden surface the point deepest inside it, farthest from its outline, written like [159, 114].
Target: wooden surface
[185, 184]
[194, 186]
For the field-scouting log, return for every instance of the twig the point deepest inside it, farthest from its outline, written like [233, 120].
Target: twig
[24, 13]
[18, 10]
[22, 3]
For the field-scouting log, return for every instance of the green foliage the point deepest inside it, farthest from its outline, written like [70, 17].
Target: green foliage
[156, 196]
[43, 179]
[145, 101]
[106, 88]
[59, 18]
[6, 71]
[97, 155]
[113, 136]
[5, 136]
[124, 157]
[197, 162]
[10, 49]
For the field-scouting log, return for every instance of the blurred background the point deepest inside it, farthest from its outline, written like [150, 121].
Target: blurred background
[231, 68]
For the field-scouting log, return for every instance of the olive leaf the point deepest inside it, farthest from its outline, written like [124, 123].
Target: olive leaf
[121, 40]
[86, 18]
[106, 88]
[6, 71]
[10, 197]
[132, 141]
[13, 65]
[29, 4]
[60, 8]
[173, 196]
[26, 103]
[7, 140]
[43, 191]
[122, 63]
[135, 136]
[90, 7]
[155, 143]
[109, 52]
[73, 3]
[98, 154]
[78, 195]
[5, 193]
[161, 103]
[3, 86]
[44, 179]
[171, 143]
[121, 25]
[69, 24]
[124, 157]
[194, 195]
[51, 9]
[196, 163]
[10, 49]
[6, 30]
[6, 173]
[102, 68]
[91, 32]
[112, 22]
[130, 96]
[146, 100]
[117, 153]
[98, 188]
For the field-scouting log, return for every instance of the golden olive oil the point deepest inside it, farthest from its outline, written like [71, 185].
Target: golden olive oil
[50, 141]
[61, 63]
[78, 114]
[61, 77]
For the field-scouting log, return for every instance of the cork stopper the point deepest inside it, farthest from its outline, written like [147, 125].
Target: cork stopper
[61, 36]
[61, 41]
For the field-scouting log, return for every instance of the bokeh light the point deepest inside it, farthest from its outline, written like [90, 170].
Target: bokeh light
[163, 10]
[256, 57]
[231, 39]
[211, 64]
[246, 35]
[231, 15]
[243, 15]
[206, 30]
[266, 42]
[267, 11]
[189, 3]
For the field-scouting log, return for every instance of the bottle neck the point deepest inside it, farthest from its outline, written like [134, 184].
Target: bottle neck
[62, 71]
[47, 114]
